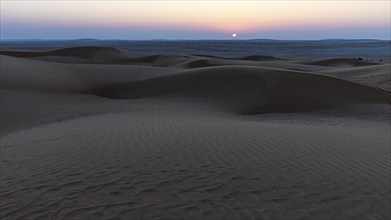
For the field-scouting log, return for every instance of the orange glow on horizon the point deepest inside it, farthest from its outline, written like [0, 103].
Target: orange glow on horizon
[217, 16]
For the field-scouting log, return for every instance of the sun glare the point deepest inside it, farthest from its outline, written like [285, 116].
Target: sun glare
[234, 35]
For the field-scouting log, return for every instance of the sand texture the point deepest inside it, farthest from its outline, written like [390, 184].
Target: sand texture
[100, 133]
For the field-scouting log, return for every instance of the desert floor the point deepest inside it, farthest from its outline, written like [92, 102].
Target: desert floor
[100, 133]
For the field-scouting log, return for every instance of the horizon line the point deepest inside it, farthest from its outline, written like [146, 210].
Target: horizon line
[201, 39]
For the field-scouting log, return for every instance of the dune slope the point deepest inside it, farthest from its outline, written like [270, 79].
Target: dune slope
[251, 89]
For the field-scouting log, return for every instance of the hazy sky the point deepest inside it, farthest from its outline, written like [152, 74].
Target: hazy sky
[195, 19]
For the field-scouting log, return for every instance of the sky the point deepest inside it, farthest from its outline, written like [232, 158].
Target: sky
[145, 20]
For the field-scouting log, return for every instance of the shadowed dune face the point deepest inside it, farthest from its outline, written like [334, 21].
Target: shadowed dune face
[342, 62]
[187, 136]
[251, 89]
[101, 55]
[200, 63]
[260, 58]
[26, 74]
[85, 52]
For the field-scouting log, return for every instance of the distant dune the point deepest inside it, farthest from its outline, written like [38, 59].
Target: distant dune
[297, 49]
[106, 133]
[342, 62]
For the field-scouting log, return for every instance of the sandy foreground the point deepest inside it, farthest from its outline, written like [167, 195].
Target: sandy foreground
[99, 133]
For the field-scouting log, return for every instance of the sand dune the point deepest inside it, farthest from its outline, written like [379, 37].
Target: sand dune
[342, 62]
[26, 74]
[162, 136]
[110, 55]
[251, 89]
[77, 55]
[259, 58]
[375, 76]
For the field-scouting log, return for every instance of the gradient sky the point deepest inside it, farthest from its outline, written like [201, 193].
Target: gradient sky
[140, 20]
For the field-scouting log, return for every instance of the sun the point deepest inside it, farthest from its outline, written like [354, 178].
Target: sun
[234, 35]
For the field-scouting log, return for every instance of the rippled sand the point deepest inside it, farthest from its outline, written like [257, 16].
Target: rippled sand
[99, 133]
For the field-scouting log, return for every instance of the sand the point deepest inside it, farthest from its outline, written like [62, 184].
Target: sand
[99, 133]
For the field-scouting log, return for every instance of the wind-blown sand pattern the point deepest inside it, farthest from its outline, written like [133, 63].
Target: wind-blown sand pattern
[99, 133]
